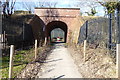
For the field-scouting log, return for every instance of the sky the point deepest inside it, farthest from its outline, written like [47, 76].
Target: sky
[85, 6]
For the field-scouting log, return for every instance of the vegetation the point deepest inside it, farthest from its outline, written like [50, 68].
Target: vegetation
[92, 13]
[8, 7]
[21, 59]
[99, 63]
[110, 6]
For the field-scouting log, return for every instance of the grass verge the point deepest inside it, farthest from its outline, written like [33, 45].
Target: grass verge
[20, 60]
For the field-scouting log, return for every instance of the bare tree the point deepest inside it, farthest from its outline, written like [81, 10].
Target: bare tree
[92, 13]
[51, 4]
[90, 5]
[0, 7]
[8, 7]
[29, 6]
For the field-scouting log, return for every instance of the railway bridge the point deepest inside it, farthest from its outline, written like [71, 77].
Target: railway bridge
[48, 19]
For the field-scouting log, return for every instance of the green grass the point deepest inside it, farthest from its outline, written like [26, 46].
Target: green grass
[16, 70]
[21, 59]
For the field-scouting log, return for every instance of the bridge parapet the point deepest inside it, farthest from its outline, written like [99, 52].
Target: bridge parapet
[57, 12]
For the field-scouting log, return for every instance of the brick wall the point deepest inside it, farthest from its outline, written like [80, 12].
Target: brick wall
[70, 16]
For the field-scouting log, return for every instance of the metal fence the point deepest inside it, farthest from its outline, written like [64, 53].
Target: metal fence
[16, 33]
[100, 31]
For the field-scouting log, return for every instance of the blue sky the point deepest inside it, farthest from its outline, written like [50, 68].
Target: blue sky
[85, 6]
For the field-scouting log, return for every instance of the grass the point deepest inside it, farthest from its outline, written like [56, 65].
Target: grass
[21, 59]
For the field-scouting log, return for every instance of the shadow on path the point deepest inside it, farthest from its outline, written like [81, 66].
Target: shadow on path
[58, 77]
[49, 61]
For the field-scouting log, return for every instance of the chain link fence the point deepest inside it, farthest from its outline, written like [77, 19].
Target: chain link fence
[97, 33]
[16, 33]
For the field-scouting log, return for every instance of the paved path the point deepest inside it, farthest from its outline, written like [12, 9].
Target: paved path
[59, 64]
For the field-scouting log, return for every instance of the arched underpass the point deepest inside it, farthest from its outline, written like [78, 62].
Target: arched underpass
[66, 19]
[54, 25]
[57, 35]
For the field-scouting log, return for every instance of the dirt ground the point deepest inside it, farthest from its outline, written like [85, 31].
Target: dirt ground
[56, 63]
[98, 64]
[61, 62]
[32, 68]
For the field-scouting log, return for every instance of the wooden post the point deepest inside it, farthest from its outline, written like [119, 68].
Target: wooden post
[4, 40]
[11, 60]
[23, 35]
[0, 38]
[84, 51]
[0, 41]
[35, 48]
[85, 41]
[118, 61]
[45, 41]
[0, 53]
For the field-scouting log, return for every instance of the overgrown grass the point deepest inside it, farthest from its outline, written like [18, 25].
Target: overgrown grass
[21, 59]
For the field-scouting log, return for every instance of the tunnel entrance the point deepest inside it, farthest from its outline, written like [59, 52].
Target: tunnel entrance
[57, 35]
[56, 31]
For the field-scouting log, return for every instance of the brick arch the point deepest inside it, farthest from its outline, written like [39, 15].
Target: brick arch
[68, 16]
[56, 24]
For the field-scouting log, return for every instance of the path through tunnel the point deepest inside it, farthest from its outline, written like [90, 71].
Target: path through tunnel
[54, 28]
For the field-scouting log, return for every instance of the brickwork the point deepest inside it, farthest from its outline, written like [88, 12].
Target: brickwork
[69, 16]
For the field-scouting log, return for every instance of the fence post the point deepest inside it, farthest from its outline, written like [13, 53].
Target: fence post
[45, 41]
[35, 48]
[23, 34]
[0, 29]
[110, 30]
[11, 60]
[118, 26]
[118, 61]
[4, 40]
[85, 41]
[0, 37]
[84, 51]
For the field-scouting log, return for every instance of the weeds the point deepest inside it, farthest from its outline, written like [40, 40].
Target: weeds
[20, 60]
